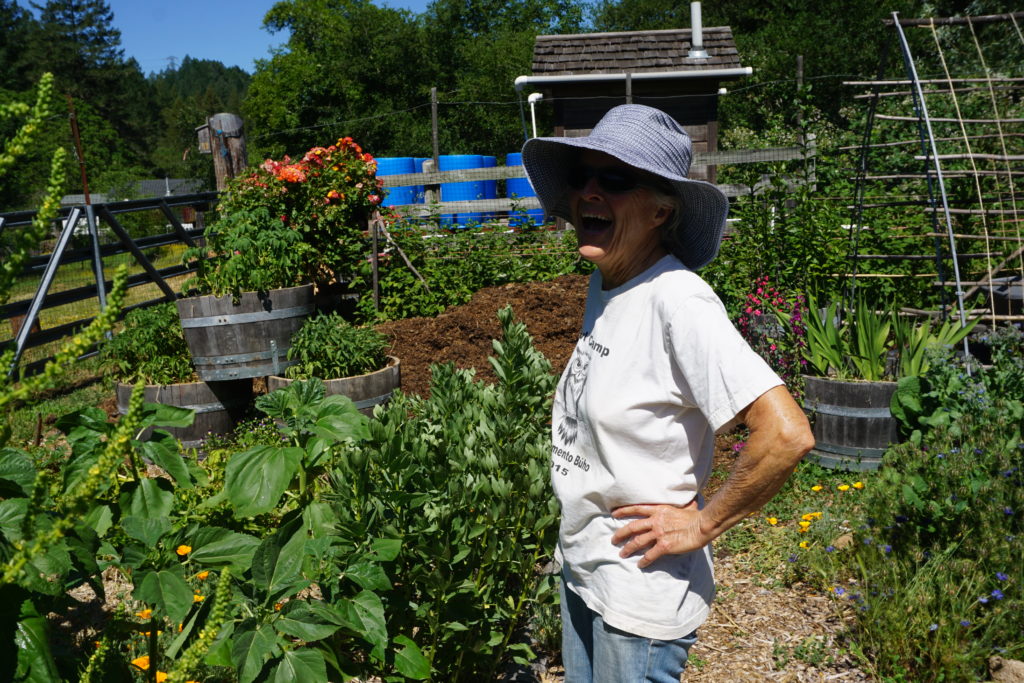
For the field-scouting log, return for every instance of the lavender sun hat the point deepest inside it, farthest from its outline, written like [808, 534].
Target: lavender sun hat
[650, 140]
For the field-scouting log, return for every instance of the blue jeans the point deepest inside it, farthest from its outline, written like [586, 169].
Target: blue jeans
[594, 652]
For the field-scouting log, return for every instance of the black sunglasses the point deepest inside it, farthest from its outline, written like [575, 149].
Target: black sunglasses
[611, 179]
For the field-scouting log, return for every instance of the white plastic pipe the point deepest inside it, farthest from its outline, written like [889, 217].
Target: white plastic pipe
[697, 50]
[533, 98]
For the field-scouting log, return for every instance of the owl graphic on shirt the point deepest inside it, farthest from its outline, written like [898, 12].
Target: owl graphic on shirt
[572, 392]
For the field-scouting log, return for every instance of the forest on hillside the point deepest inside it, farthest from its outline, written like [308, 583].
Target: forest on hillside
[353, 67]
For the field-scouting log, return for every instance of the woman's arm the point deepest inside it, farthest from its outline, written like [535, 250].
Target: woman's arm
[779, 437]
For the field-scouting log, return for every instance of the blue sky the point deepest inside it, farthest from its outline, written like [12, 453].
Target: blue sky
[228, 31]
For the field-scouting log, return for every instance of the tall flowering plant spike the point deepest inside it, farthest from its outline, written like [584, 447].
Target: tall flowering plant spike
[289, 222]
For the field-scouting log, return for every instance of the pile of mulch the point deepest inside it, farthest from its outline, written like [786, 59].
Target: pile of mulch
[552, 312]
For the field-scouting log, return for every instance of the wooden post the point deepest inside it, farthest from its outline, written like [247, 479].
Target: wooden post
[227, 144]
[799, 89]
[433, 126]
[433, 192]
[629, 88]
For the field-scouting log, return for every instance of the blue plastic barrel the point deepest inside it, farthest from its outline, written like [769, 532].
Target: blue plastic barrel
[395, 166]
[520, 187]
[457, 192]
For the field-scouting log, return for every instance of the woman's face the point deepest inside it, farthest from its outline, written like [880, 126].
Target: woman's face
[616, 230]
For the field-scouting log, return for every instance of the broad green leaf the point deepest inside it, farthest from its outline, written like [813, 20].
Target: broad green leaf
[149, 530]
[220, 652]
[301, 665]
[152, 498]
[163, 450]
[45, 573]
[409, 661]
[277, 563]
[300, 621]
[86, 423]
[386, 549]
[251, 650]
[363, 615]
[35, 660]
[12, 512]
[369, 575]
[167, 592]
[169, 416]
[255, 479]
[231, 548]
[99, 519]
[17, 469]
[320, 519]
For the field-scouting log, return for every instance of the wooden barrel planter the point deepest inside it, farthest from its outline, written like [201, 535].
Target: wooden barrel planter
[851, 421]
[248, 339]
[218, 406]
[366, 391]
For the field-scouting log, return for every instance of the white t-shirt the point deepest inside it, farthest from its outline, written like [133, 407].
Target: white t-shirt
[658, 369]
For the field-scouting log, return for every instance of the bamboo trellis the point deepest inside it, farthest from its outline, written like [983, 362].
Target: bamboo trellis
[968, 125]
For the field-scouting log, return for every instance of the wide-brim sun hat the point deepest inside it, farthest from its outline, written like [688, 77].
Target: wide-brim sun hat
[650, 140]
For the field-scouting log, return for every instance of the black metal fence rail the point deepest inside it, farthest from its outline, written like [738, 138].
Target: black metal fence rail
[45, 267]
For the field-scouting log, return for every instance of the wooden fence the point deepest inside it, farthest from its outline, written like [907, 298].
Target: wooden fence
[24, 313]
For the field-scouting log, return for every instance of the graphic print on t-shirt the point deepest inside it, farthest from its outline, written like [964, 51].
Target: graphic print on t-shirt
[572, 392]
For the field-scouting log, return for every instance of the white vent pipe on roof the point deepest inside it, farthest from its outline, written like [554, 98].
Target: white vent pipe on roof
[697, 50]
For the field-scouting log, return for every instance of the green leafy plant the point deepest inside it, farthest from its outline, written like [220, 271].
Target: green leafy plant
[150, 347]
[462, 478]
[288, 223]
[314, 428]
[864, 344]
[328, 347]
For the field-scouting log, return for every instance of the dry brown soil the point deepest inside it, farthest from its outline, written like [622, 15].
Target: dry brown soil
[759, 630]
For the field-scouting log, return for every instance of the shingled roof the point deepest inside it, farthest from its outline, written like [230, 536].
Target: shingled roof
[632, 51]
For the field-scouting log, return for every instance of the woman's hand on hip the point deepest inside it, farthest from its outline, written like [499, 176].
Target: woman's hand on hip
[661, 529]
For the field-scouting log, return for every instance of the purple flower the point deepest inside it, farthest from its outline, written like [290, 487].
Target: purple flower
[933, 627]
[792, 558]
[997, 594]
[983, 599]
[1008, 512]
[830, 549]
[964, 622]
[940, 456]
[1002, 577]
[839, 590]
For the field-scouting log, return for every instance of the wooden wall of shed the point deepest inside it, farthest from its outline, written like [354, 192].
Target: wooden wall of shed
[694, 104]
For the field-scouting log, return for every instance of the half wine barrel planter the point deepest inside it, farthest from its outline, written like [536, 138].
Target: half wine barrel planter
[247, 339]
[218, 406]
[851, 421]
[366, 391]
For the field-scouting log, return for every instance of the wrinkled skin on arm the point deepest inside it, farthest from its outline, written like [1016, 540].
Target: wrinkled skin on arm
[779, 437]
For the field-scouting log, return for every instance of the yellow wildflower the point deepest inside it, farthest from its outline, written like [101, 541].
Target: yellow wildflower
[203, 575]
[146, 633]
[278, 606]
[805, 545]
[844, 487]
[804, 524]
[773, 520]
[141, 662]
[817, 487]
[858, 484]
[183, 550]
[198, 598]
[161, 677]
[144, 614]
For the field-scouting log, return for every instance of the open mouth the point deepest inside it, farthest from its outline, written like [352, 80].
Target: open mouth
[593, 223]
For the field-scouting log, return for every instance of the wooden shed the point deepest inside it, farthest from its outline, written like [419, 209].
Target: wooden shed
[585, 75]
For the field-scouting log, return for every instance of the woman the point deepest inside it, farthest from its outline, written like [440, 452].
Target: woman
[657, 371]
